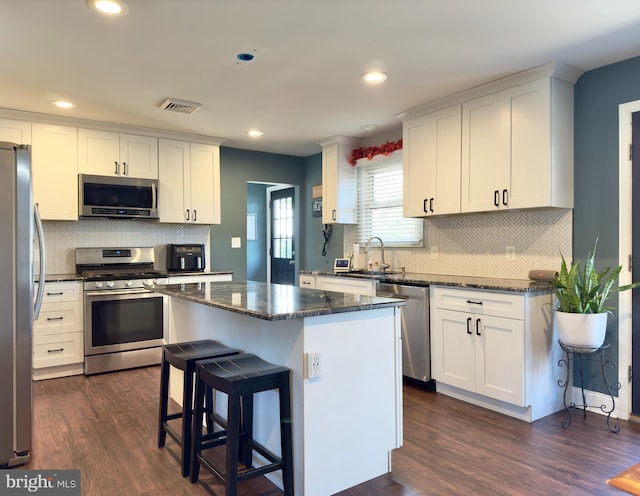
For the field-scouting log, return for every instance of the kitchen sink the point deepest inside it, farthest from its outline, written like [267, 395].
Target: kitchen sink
[371, 274]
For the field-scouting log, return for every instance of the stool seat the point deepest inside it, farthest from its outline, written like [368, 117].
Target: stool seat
[184, 356]
[240, 377]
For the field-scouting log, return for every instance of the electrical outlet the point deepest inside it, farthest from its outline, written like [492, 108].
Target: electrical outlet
[510, 253]
[313, 365]
[434, 253]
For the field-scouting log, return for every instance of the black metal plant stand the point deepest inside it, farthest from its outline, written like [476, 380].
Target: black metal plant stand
[586, 354]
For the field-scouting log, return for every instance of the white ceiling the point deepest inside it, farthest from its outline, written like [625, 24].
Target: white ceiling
[304, 84]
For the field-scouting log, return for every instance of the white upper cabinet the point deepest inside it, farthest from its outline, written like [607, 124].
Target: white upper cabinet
[189, 182]
[18, 132]
[54, 157]
[106, 153]
[518, 148]
[338, 181]
[431, 163]
[516, 144]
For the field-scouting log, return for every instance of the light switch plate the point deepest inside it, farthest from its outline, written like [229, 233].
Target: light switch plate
[235, 242]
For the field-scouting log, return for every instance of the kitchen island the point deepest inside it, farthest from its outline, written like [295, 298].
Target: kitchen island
[346, 420]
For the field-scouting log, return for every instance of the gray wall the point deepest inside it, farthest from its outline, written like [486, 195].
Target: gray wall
[237, 167]
[597, 96]
[257, 250]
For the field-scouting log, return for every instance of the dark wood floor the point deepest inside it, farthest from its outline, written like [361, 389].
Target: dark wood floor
[105, 425]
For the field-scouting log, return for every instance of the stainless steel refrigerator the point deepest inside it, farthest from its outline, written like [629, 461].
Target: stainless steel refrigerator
[18, 307]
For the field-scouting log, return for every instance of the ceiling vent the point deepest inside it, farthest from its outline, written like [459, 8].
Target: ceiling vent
[181, 106]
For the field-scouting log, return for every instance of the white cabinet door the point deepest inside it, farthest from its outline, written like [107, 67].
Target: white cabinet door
[139, 156]
[205, 183]
[98, 152]
[112, 154]
[18, 132]
[453, 348]
[485, 153]
[174, 163]
[189, 182]
[55, 171]
[431, 163]
[338, 183]
[307, 281]
[346, 285]
[500, 358]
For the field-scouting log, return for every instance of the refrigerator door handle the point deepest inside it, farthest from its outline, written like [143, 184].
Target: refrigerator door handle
[42, 257]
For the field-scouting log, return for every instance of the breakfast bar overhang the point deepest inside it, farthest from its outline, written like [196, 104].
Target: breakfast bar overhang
[348, 419]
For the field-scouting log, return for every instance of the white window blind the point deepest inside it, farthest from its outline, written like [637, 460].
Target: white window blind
[380, 203]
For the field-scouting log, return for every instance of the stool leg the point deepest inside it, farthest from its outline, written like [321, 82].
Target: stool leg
[164, 402]
[196, 444]
[209, 408]
[246, 431]
[233, 441]
[285, 436]
[187, 419]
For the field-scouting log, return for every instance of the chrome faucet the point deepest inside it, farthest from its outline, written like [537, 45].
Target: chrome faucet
[383, 265]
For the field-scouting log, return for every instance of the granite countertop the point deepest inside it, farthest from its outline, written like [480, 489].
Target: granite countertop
[273, 301]
[418, 279]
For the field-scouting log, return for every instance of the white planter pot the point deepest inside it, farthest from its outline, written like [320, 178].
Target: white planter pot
[581, 329]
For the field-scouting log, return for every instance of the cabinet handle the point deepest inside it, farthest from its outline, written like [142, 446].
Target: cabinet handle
[187, 216]
[125, 168]
[333, 215]
[306, 283]
[57, 293]
[478, 327]
[55, 351]
[471, 302]
[195, 215]
[431, 204]
[424, 206]
[55, 318]
[496, 198]
[469, 325]
[505, 197]
[117, 171]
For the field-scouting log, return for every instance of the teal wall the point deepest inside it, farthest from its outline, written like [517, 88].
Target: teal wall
[598, 94]
[257, 249]
[237, 167]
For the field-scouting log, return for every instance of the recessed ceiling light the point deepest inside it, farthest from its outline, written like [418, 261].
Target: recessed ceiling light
[110, 7]
[368, 127]
[374, 77]
[254, 133]
[63, 104]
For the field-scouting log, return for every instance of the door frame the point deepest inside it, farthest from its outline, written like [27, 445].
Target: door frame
[296, 227]
[623, 408]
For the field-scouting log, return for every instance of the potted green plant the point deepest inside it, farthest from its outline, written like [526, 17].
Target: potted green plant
[581, 298]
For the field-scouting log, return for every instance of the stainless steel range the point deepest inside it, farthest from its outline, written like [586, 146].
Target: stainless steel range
[124, 323]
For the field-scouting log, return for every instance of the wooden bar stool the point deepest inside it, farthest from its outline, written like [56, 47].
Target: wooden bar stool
[240, 377]
[184, 357]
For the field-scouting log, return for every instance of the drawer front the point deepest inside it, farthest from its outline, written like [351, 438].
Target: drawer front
[57, 349]
[56, 318]
[498, 304]
[346, 285]
[307, 281]
[55, 292]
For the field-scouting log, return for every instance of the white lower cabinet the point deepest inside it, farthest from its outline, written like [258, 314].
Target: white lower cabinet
[58, 334]
[350, 285]
[307, 281]
[496, 349]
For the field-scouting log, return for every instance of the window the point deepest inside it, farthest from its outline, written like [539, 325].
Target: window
[379, 185]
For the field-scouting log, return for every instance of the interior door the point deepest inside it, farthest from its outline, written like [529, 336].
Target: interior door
[283, 245]
[635, 241]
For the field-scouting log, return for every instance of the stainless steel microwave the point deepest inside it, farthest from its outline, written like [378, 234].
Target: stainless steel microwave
[117, 197]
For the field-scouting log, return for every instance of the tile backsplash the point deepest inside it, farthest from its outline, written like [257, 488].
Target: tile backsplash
[62, 238]
[476, 244]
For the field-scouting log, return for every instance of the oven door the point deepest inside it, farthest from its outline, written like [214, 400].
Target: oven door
[123, 320]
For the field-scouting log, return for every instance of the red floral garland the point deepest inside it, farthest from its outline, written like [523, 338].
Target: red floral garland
[371, 151]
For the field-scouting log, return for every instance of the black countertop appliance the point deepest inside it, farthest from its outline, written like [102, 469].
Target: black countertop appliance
[185, 258]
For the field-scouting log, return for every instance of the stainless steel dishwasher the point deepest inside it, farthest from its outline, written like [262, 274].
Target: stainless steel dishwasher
[416, 354]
